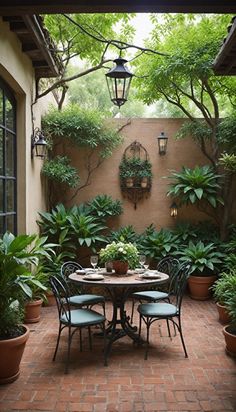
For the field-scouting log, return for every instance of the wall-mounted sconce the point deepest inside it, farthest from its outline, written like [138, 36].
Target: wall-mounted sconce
[162, 143]
[38, 144]
[174, 210]
[118, 82]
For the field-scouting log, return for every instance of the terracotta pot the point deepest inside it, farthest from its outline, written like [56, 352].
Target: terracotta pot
[230, 340]
[144, 182]
[120, 267]
[32, 311]
[11, 351]
[199, 286]
[129, 182]
[223, 313]
[51, 301]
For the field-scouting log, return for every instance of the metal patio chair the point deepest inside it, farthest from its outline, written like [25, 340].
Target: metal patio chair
[171, 312]
[77, 298]
[73, 319]
[168, 265]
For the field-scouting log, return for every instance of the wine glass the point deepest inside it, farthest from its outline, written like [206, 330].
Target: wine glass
[142, 260]
[94, 261]
[146, 266]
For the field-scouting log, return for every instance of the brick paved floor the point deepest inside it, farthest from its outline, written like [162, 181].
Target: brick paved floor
[206, 381]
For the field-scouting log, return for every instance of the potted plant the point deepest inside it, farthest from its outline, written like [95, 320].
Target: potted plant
[229, 331]
[17, 255]
[135, 171]
[37, 283]
[122, 255]
[223, 289]
[204, 260]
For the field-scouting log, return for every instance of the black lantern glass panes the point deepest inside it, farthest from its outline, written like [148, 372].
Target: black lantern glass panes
[162, 143]
[118, 82]
[39, 144]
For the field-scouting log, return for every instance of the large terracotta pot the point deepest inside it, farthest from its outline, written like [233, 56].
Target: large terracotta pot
[199, 286]
[230, 340]
[51, 300]
[32, 311]
[120, 267]
[223, 313]
[11, 351]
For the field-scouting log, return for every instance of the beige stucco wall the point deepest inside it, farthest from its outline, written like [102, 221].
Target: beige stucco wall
[156, 208]
[17, 70]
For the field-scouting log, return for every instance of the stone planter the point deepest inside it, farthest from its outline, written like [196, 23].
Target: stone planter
[199, 286]
[11, 351]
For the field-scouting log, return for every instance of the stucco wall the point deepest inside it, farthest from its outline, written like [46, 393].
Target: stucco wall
[156, 208]
[16, 69]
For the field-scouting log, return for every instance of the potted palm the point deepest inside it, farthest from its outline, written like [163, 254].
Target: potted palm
[122, 255]
[223, 289]
[17, 255]
[204, 260]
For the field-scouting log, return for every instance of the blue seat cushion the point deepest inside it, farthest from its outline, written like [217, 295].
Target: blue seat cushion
[86, 299]
[150, 295]
[157, 310]
[82, 317]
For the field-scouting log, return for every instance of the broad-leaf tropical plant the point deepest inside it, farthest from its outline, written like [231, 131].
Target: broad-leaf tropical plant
[18, 256]
[204, 259]
[157, 245]
[191, 186]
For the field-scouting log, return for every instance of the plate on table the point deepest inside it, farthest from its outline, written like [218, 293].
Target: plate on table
[85, 271]
[150, 275]
[139, 271]
[93, 276]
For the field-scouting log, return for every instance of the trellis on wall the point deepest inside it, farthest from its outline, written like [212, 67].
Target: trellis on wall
[135, 173]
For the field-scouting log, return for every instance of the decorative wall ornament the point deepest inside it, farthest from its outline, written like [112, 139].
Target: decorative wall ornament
[135, 173]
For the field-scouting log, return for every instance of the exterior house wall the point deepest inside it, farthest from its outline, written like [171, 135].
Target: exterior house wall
[17, 71]
[156, 208]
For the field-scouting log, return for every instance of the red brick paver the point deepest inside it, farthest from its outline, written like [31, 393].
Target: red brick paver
[206, 381]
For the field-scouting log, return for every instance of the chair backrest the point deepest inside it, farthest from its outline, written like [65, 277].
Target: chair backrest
[170, 266]
[69, 267]
[61, 293]
[66, 269]
[178, 284]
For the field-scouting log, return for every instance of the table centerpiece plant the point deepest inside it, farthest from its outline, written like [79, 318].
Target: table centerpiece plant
[122, 255]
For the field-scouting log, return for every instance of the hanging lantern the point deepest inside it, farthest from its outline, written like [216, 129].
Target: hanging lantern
[118, 82]
[162, 143]
[174, 210]
[38, 144]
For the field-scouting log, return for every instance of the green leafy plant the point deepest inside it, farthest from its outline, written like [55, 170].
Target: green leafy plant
[103, 206]
[135, 167]
[231, 307]
[125, 234]
[125, 252]
[87, 230]
[191, 186]
[156, 244]
[18, 255]
[60, 171]
[203, 258]
[225, 287]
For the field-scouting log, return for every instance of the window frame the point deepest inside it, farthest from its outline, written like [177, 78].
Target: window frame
[7, 93]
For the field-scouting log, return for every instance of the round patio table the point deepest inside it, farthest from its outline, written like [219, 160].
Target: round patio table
[119, 288]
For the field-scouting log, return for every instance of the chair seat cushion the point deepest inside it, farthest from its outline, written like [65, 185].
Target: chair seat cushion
[82, 317]
[150, 295]
[157, 309]
[86, 299]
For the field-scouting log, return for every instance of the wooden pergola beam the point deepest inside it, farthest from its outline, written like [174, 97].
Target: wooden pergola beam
[11, 7]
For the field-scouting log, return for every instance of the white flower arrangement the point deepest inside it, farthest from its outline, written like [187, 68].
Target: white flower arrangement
[125, 252]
